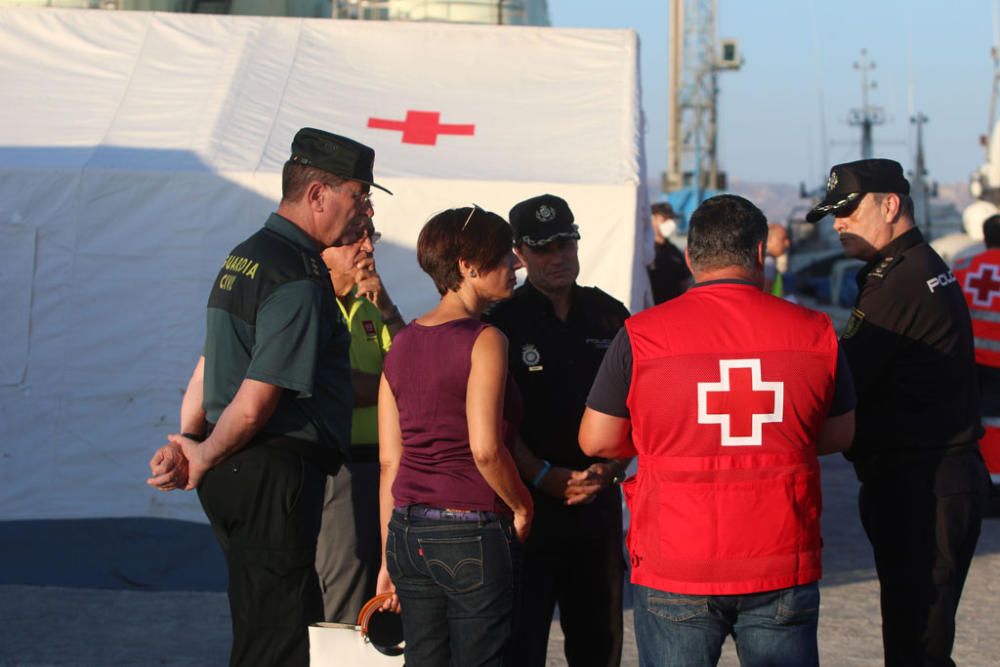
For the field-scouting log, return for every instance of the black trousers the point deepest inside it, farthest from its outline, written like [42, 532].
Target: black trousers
[264, 504]
[573, 557]
[922, 517]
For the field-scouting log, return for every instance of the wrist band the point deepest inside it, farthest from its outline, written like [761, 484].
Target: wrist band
[192, 436]
[546, 467]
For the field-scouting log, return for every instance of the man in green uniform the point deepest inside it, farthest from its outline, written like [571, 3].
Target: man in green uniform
[267, 411]
[349, 551]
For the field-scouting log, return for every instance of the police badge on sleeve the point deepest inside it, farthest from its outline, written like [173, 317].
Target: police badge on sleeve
[853, 324]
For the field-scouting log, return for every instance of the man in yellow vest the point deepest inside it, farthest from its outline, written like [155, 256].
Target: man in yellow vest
[349, 547]
[776, 261]
[979, 277]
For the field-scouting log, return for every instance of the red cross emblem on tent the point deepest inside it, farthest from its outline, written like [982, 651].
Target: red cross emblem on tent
[740, 402]
[422, 127]
[983, 285]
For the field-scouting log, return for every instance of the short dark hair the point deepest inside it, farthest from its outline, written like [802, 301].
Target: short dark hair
[726, 230]
[991, 231]
[295, 177]
[662, 209]
[905, 205]
[481, 238]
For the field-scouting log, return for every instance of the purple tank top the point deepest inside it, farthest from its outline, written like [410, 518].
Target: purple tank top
[428, 372]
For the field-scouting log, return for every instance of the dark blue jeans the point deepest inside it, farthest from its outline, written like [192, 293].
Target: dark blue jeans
[776, 628]
[455, 581]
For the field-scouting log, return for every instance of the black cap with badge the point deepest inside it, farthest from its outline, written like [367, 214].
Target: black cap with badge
[850, 181]
[541, 220]
[336, 154]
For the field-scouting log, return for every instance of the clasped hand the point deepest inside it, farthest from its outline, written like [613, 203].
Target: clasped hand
[577, 487]
[178, 464]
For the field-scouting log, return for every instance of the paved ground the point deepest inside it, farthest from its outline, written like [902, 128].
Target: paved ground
[66, 626]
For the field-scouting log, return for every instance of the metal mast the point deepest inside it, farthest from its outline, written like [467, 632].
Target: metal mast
[921, 191]
[695, 61]
[674, 178]
[867, 116]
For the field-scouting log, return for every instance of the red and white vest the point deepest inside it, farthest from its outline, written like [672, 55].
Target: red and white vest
[730, 387]
[980, 281]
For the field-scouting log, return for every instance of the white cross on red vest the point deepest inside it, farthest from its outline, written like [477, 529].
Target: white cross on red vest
[983, 285]
[740, 402]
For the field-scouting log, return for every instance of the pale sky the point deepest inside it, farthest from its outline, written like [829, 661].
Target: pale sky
[930, 56]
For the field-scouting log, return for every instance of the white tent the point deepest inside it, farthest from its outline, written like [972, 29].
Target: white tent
[137, 148]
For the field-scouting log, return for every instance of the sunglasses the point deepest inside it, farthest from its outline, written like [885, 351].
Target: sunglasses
[362, 199]
[475, 207]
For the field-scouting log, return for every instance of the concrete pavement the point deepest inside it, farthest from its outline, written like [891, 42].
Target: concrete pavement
[42, 626]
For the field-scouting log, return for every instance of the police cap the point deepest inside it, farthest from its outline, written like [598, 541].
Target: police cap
[850, 181]
[336, 154]
[541, 220]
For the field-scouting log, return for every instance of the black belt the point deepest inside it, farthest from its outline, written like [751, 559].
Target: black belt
[889, 455]
[884, 460]
[438, 514]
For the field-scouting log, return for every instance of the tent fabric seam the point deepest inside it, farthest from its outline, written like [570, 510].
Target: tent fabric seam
[277, 109]
[124, 95]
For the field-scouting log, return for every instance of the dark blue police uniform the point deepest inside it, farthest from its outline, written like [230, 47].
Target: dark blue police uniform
[573, 555]
[910, 348]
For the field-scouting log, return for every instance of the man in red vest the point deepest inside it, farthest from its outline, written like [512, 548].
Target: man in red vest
[727, 395]
[979, 278]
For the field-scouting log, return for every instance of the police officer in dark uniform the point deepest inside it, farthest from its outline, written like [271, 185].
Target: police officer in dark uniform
[669, 276]
[558, 333]
[910, 348]
[267, 412]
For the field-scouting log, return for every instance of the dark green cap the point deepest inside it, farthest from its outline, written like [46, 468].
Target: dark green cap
[336, 154]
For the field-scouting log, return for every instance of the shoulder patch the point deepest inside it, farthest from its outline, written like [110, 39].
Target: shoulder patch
[853, 324]
[312, 265]
[943, 280]
[883, 268]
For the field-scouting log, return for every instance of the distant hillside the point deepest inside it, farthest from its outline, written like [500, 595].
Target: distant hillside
[776, 200]
[779, 200]
[956, 193]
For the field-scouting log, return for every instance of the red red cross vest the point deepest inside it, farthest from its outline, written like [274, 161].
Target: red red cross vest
[730, 387]
[980, 281]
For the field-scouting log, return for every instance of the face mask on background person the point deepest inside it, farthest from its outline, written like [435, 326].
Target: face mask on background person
[668, 227]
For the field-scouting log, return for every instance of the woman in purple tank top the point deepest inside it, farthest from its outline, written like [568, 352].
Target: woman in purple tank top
[453, 507]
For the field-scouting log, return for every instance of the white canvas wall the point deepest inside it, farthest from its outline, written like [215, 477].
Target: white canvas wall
[136, 149]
